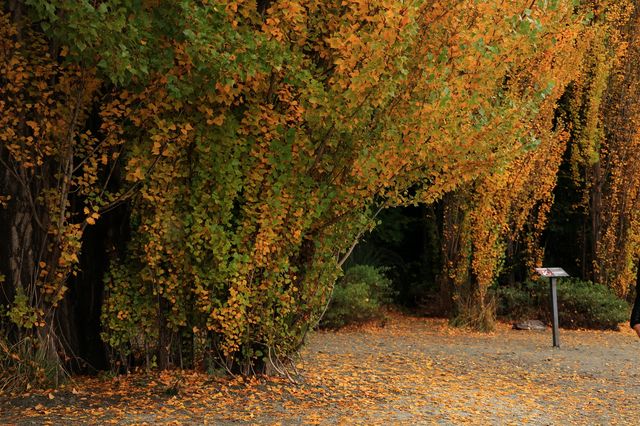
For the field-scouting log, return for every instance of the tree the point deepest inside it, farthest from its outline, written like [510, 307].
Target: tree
[252, 144]
[602, 150]
[510, 203]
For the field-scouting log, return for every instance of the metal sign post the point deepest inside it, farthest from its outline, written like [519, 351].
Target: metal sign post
[554, 310]
[553, 274]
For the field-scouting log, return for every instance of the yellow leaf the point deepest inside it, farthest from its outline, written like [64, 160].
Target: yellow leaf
[217, 121]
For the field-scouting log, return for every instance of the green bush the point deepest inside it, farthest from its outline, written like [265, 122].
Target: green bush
[358, 296]
[516, 303]
[581, 304]
[590, 305]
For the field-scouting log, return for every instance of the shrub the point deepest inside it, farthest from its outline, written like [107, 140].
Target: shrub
[581, 304]
[515, 303]
[590, 305]
[358, 296]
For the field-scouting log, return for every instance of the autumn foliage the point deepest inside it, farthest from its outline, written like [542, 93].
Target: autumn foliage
[221, 159]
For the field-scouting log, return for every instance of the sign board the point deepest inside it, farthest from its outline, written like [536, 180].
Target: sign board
[552, 272]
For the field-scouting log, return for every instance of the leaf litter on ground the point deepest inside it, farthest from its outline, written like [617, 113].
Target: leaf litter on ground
[412, 370]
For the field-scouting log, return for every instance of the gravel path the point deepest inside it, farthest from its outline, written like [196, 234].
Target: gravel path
[443, 375]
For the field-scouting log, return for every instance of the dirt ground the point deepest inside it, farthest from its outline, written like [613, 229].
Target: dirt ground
[411, 371]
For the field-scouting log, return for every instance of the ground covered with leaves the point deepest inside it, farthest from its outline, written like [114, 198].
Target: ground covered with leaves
[411, 370]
